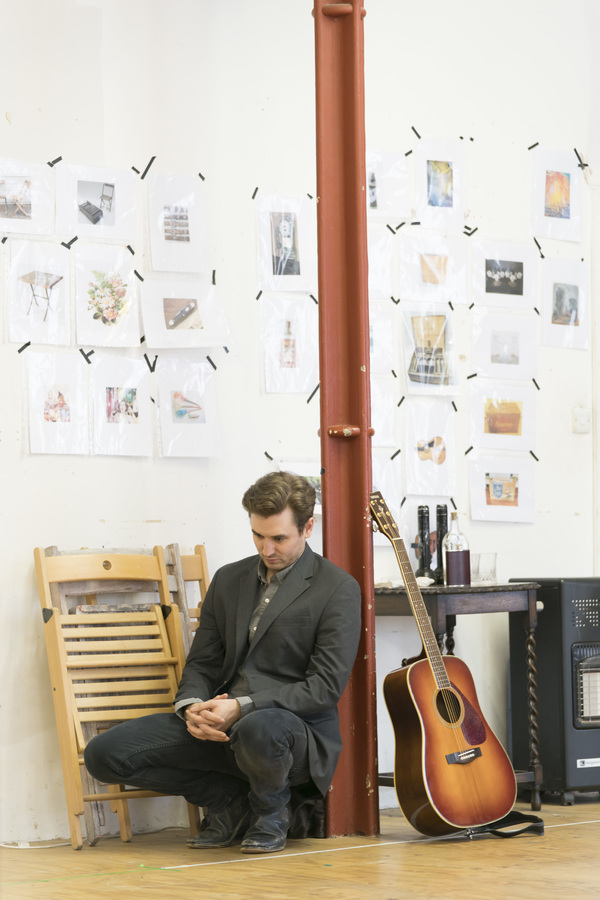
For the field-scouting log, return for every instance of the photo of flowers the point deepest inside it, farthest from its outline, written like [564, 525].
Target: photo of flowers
[105, 297]
[108, 297]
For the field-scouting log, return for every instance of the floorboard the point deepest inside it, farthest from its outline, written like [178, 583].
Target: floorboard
[398, 863]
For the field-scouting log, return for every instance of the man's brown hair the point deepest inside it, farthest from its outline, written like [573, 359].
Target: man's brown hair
[272, 493]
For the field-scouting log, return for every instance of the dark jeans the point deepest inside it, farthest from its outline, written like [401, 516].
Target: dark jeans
[267, 753]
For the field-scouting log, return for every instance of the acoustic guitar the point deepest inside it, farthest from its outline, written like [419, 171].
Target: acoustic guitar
[450, 771]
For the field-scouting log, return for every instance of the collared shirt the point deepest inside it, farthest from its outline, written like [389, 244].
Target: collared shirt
[240, 687]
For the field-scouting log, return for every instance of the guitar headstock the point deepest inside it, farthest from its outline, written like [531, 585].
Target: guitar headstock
[382, 515]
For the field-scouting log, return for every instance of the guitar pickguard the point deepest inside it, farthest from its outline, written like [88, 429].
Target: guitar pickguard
[472, 726]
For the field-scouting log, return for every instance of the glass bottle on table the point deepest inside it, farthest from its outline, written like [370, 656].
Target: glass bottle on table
[457, 557]
[424, 568]
[441, 529]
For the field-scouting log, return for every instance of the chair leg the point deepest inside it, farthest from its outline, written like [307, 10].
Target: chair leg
[194, 817]
[75, 830]
[122, 810]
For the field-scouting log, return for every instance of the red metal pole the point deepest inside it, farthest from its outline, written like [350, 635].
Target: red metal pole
[345, 389]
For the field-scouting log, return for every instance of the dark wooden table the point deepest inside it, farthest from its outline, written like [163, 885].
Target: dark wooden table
[444, 604]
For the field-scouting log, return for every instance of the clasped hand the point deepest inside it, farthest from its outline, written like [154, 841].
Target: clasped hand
[209, 721]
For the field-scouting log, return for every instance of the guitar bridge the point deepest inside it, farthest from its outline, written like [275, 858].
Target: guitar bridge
[463, 757]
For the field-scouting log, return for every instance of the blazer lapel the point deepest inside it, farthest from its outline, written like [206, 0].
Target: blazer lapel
[247, 598]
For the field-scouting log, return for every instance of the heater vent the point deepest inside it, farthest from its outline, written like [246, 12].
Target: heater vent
[585, 612]
[586, 685]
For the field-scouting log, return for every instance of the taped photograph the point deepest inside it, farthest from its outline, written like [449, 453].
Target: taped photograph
[106, 297]
[123, 412]
[38, 293]
[557, 195]
[429, 444]
[502, 416]
[388, 186]
[502, 489]
[289, 344]
[182, 313]
[566, 301]
[187, 409]
[504, 275]
[287, 243]
[96, 203]
[58, 403]
[26, 198]
[429, 350]
[432, 267]
[504, 346]
[440, 183]
[178, 224]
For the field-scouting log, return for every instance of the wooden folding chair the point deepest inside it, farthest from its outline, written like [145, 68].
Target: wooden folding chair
[189, 574]
[106, 667]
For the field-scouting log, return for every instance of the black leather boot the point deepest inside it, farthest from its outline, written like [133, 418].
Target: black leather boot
[224, 826]
[268, 832]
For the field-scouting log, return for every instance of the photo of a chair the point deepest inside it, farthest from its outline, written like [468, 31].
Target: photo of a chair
[4, 195]
[107, 196]
[20, 200]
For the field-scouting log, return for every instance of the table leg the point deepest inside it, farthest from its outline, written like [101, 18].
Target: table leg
[532, 699]
[33, 297]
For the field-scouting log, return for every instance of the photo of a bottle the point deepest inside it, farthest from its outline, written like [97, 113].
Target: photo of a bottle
[287, 352]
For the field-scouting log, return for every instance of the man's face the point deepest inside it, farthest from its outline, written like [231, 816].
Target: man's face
[277, 539]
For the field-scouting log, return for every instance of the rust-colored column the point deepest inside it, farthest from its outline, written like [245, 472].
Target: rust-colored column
[345, 391]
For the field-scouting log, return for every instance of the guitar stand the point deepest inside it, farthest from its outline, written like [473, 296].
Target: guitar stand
[536, 826]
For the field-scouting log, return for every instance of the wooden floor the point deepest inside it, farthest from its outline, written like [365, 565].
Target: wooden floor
[399, 863]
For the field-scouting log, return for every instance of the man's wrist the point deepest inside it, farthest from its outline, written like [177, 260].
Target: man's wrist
[182, 705]
[246, 705]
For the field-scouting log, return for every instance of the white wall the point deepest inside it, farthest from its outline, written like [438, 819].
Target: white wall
[228, 89]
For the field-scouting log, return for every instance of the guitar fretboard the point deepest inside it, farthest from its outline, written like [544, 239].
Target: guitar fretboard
[386, 523]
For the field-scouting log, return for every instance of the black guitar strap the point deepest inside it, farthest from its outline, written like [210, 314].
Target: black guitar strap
[513, 818]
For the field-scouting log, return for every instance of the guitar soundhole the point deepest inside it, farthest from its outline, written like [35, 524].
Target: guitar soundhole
[448, 706]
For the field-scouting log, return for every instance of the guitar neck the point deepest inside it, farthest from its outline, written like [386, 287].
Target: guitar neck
[421, 615]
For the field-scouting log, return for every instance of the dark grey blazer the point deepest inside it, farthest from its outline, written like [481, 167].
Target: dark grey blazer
[301, 656]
